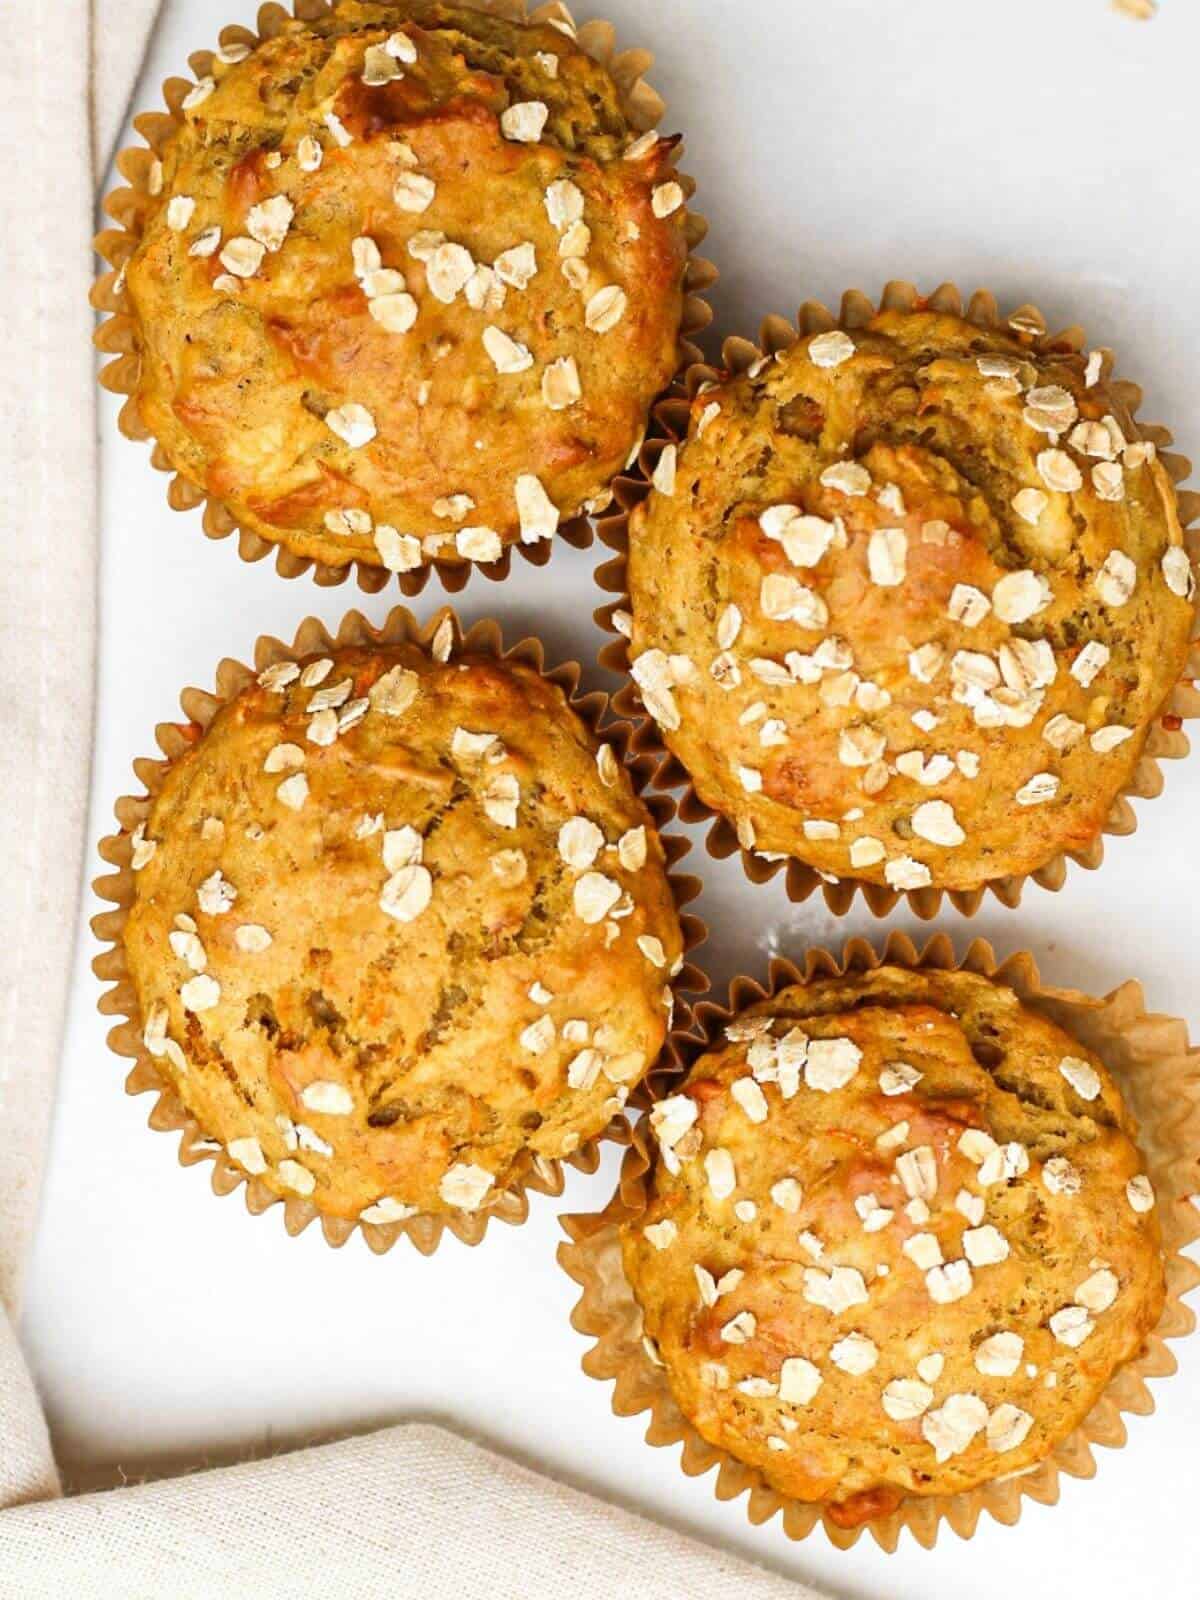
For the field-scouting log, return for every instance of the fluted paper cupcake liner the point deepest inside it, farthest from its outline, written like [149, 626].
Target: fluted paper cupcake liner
[1158, 1073]
[1166, 740]
[128, 206]
[199, 706]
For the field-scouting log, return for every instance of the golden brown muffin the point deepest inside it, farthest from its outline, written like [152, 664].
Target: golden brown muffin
[409, 285]
[401, 926]
[908, 601]
[898, 1238]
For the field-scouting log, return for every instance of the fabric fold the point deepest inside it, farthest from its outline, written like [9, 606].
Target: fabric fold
[410, 1510]
[121, 33]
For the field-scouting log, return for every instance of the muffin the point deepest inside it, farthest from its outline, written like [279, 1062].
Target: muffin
[898, 1239]
[400, 929]
[908, 599]
[407, 284]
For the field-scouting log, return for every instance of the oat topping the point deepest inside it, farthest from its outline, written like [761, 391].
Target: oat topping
[830, 349]
[1116, 579]
[1060, 1177]
[268, 221]
[898, 1077]
[538, 1036]
[751, 1099]
[579, 843]
[661, 1234]
[1071, 1325]
[1040, 789]
[506, 354]
[968, 606]
[666, 199]
[1140, 1194]
[799, 1380]
[242, 257]
[200, 993]
[1003, 1162]
[387, 1209]
[595, 896]
[466, 1186]
[847, 477]
[923, 1250]
[330, 1099]
[1090, 662]
[855, 1354]
[887, 552]
[142, 849]
[1098, 1292]
[905, 873]
[831, 1064]
[197, 95]
[525, 121]
[719, 1170]
[740, 1328]
[984, 1246]
[560, 384]
[950, 1282]
[605, 308]
[1082, 1077]
[215, 895]
[631, 849]
[248, 1154]
[406, 893]
[606, 765]
[293, 792]
[906, 1399]
[663, 476]
[564, 203]
[951, 1428]
[352, 423]
[180, 208]
[1177, 572]
[309, 154]
[935, 821]
[838, 1290]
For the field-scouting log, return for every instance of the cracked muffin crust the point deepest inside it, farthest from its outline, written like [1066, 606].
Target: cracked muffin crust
[897, 1241]
[400, 927]
[409, 285]
[908, 599]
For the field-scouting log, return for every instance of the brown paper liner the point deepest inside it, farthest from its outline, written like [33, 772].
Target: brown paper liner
[1165, 741]
[1159, 1074]
[116, 334]
[540, 1175]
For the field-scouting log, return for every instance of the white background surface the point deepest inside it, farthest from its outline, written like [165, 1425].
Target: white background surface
[1044, 148]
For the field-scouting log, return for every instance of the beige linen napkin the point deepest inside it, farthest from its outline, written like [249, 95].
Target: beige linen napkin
[408, 1511]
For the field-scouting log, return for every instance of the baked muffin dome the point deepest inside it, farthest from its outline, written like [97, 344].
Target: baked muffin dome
[898, 1238]
[409, 285]
[908, 599]
[400, 927]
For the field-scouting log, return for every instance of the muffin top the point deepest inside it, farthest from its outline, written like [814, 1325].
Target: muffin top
[898, 1238]
[400, 927]
[408, 286]
[908, 599]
